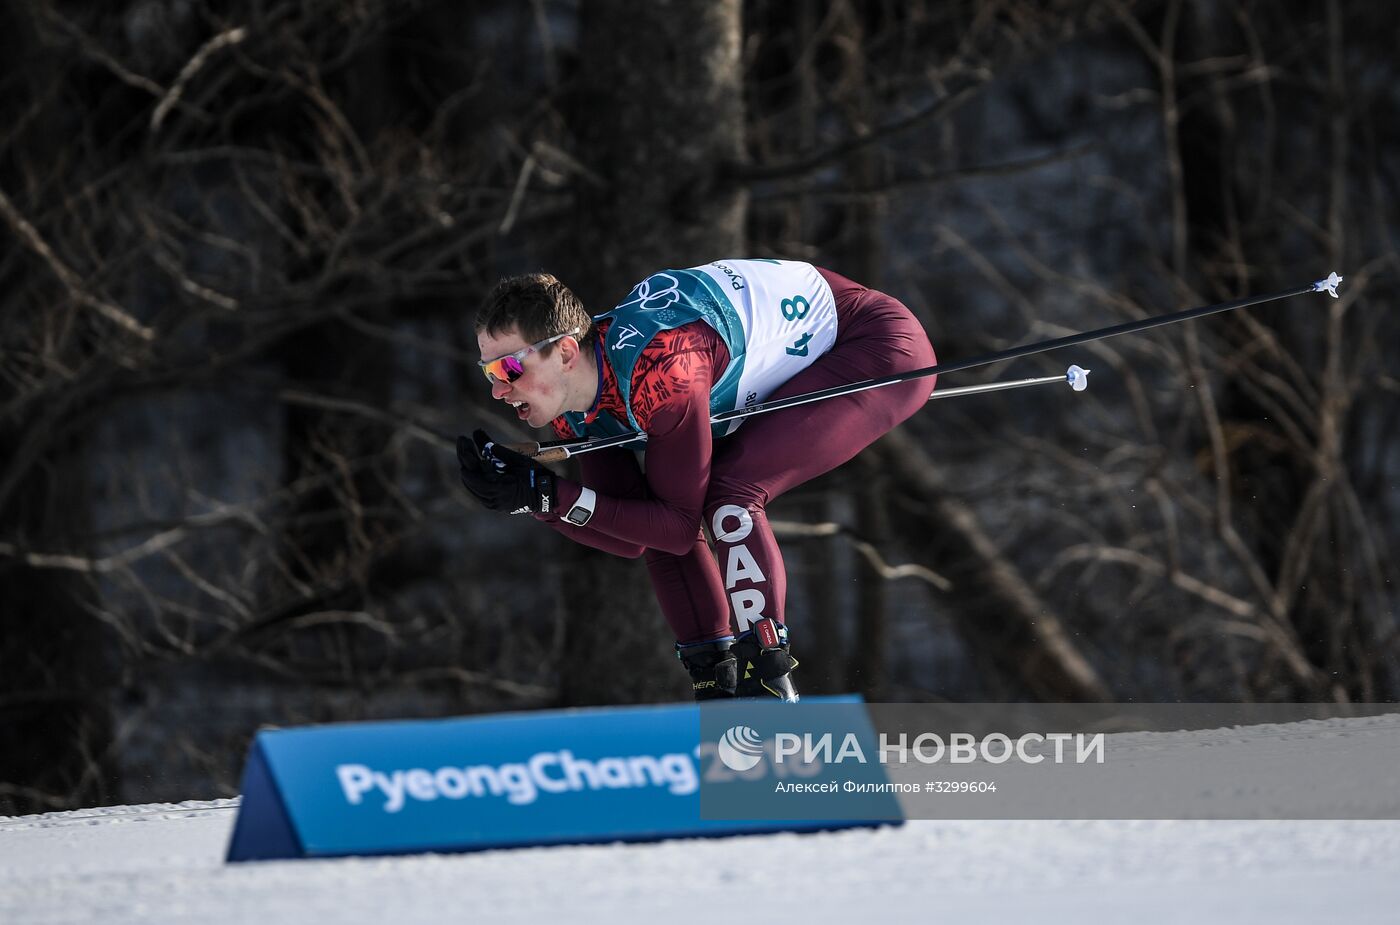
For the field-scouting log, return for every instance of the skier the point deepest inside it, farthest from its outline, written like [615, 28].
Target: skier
[683, 345]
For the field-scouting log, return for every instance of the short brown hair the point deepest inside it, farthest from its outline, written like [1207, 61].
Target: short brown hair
[537, 306]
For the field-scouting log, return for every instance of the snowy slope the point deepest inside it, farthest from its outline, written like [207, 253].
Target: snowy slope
[165, 864]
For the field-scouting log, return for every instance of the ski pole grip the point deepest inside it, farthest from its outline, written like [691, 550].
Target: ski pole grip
[552, 454]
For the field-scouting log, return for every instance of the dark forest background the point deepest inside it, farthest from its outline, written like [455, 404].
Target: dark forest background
[241, 245]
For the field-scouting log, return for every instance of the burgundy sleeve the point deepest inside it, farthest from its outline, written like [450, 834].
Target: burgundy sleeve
[671, 400]
[608, 472]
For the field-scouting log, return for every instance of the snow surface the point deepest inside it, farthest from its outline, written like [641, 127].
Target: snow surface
[164, 863]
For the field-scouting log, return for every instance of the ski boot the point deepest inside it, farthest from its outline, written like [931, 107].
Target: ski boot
[764, 664]
[714, 671]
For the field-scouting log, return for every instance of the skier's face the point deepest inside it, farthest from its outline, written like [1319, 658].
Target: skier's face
[538, 391]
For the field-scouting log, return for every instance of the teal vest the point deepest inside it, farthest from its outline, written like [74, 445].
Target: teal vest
[659, 303]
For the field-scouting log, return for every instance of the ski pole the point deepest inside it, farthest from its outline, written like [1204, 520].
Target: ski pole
[1076, 377]
[1328, 285]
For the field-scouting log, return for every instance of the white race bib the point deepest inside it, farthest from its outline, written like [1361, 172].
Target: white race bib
[789, 319]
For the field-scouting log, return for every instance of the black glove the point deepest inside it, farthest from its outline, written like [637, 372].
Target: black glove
[502, 479]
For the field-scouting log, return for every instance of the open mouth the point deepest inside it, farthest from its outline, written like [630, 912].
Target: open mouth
[522, 409]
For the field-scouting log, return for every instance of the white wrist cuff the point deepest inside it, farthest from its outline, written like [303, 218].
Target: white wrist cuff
[579, 514]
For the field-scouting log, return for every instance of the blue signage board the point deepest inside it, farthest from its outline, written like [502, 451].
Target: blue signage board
[505, 780]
